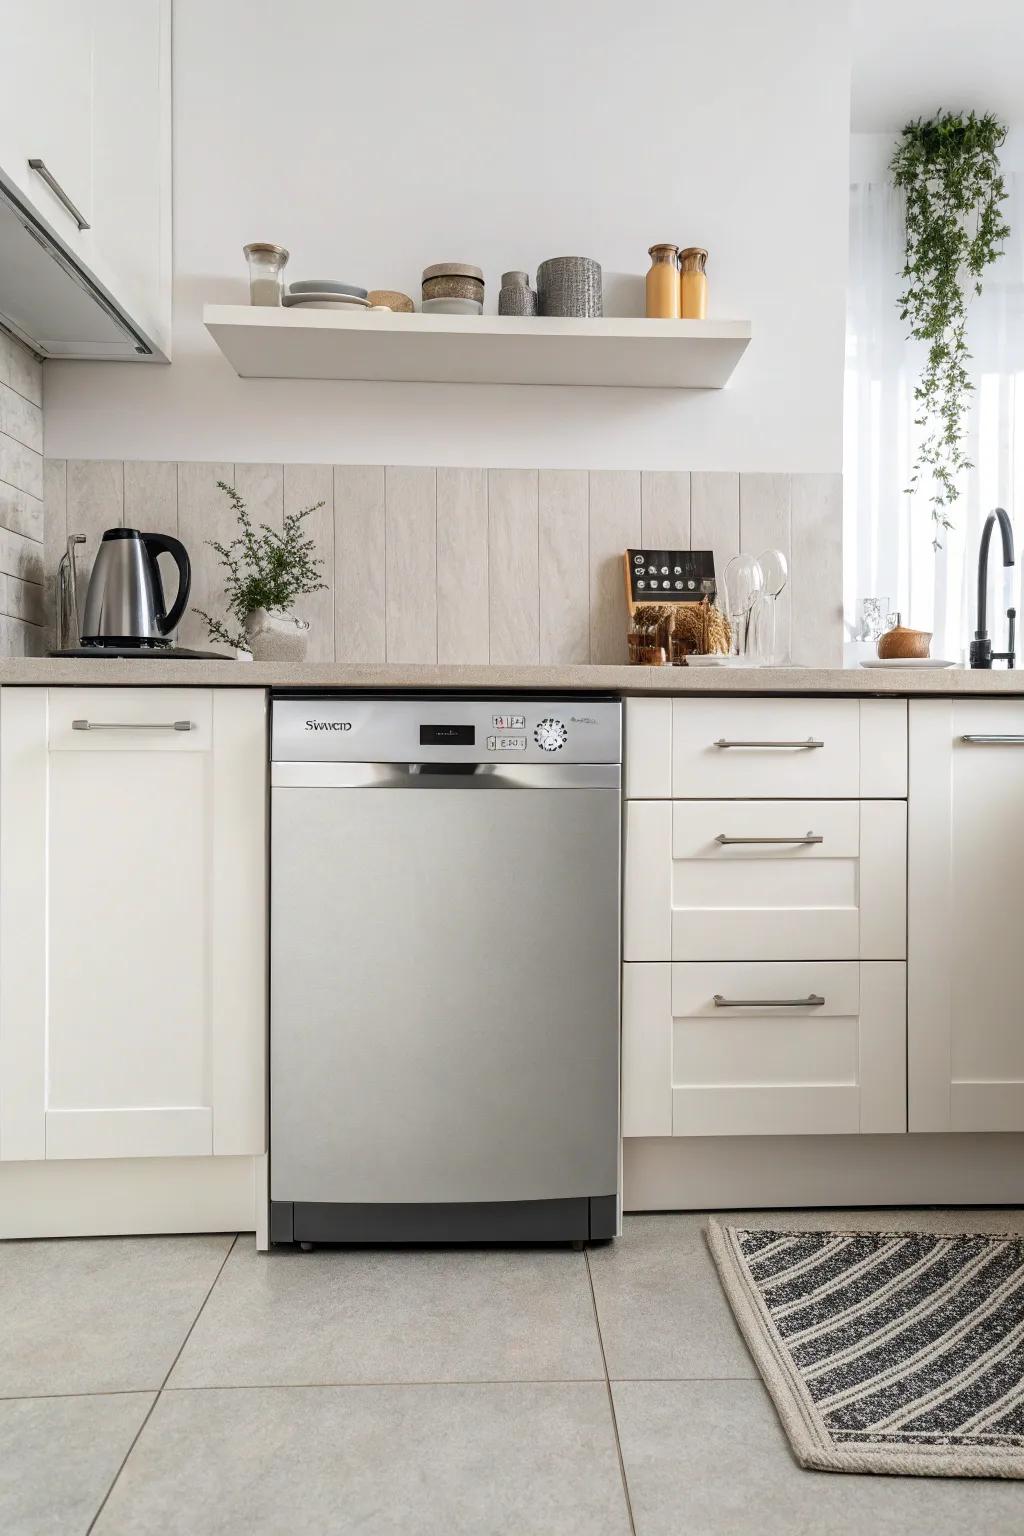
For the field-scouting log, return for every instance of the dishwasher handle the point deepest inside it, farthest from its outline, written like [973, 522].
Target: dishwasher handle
[441, 775]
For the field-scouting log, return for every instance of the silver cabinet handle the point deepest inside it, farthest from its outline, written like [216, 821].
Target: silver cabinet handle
[812, 1000]
[728, 842]
[41, 169]
[994, 741]
[810, 742]
[131, 725]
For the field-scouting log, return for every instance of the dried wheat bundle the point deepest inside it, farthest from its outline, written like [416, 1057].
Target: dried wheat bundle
[700, 630]
[648, 618]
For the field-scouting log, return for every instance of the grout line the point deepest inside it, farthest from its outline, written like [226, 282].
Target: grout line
[156, 1397]
[611, 1400]
[305, 1386]
[43, 1397]
[334, 1386]
[658, 1380]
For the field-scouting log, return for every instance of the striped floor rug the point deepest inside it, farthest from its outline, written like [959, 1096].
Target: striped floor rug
[898, 1352]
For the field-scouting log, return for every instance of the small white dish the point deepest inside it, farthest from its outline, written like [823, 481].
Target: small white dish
[452, 307]
[910, 664]
[717, 660]
[322, 285]
[324, 301]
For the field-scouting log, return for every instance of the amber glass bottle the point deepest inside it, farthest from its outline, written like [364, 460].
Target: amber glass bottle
[663, 283]
[693, 283]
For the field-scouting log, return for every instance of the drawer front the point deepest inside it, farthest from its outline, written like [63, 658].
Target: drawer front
[672, 748]
[765, 880]
[764, 1049]
[130, 719]
[765, 747]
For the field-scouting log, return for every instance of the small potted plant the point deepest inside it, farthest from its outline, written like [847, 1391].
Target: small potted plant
[265, 572]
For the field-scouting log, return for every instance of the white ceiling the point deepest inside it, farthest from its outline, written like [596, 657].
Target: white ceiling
[910, 57]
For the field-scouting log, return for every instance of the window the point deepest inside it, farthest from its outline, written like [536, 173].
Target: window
[887, 534]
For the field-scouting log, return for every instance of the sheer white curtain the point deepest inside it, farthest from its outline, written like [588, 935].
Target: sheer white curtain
[887, 534]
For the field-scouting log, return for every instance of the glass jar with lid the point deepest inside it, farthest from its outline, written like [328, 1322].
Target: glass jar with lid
[663, 283]
[693, 283]
[266, 272]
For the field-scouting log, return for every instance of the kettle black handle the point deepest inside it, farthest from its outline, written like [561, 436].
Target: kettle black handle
[161, 543]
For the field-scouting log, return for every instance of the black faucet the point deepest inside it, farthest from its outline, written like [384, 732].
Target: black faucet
[982, 654]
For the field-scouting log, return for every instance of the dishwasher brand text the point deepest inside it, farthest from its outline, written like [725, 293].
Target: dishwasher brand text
[328, 725]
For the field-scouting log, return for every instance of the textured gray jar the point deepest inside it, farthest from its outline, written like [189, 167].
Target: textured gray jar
[516, 297]
[570, 286]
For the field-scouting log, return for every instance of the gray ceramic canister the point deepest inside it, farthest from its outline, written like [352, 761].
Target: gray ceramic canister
[570, 286]
[516, 296]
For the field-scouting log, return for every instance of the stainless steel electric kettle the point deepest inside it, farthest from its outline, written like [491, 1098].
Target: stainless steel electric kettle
[125, 603]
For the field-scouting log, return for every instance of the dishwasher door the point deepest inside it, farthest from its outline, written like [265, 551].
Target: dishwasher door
[444, 985]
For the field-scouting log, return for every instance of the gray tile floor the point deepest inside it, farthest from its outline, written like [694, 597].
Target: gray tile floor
[191, 1385]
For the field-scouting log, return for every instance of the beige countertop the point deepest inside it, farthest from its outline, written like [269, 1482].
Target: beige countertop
[44, 672]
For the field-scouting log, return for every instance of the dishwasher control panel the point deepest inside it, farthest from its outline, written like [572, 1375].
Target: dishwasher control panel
[445, 728]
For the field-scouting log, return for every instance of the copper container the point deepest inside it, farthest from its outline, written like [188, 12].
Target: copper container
[644, 651]
[901, 644]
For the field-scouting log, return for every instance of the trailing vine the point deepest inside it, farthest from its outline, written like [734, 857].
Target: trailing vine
[948, 167]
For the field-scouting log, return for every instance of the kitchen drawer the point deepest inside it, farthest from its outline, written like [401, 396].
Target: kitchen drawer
[746, 748]
[130, 719]
[737, 880]
[764, 1049]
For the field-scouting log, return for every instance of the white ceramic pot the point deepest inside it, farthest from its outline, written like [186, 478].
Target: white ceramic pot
[276, 636]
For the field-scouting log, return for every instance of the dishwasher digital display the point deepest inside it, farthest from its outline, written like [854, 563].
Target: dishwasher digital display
[447, 735]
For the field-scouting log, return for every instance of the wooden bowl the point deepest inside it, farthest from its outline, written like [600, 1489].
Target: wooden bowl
[904, 644]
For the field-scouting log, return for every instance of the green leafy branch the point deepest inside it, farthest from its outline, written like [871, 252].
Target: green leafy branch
[948, 167]
[264, 568]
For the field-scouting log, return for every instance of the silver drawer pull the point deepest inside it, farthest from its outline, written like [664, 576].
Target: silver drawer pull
[132, 725]
[994, 741]
[41, 169]
[729, 842]
[812, 1000]
[810, 742]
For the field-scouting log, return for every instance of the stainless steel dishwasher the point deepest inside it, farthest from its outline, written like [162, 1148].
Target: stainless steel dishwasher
[445, 945]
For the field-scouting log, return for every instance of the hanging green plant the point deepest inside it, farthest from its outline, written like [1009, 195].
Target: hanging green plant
[948, 167]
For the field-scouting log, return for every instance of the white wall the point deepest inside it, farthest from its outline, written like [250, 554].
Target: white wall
[371, 143]
[915, 56]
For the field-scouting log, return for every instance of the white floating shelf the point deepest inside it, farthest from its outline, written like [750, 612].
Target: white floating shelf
[475, 349]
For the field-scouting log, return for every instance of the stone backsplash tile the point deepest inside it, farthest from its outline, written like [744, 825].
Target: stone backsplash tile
[471, 565]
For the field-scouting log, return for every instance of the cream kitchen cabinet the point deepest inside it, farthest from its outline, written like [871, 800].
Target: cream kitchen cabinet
[765, 880]
[132, 922]
[965, 948]
[85, 176]
[764, 1049]
[46, 112]
[764, 917]
[763, 748]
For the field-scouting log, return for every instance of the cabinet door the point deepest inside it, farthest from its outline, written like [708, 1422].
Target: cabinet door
[132, 922]
[46, 109]
[965, 955]
[793, 748]
[765, 880]
[132, 160]
[764, 1049]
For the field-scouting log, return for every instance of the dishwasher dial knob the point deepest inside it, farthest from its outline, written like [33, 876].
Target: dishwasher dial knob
[551, 735]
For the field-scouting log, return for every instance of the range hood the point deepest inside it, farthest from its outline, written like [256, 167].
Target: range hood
[49, 301]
